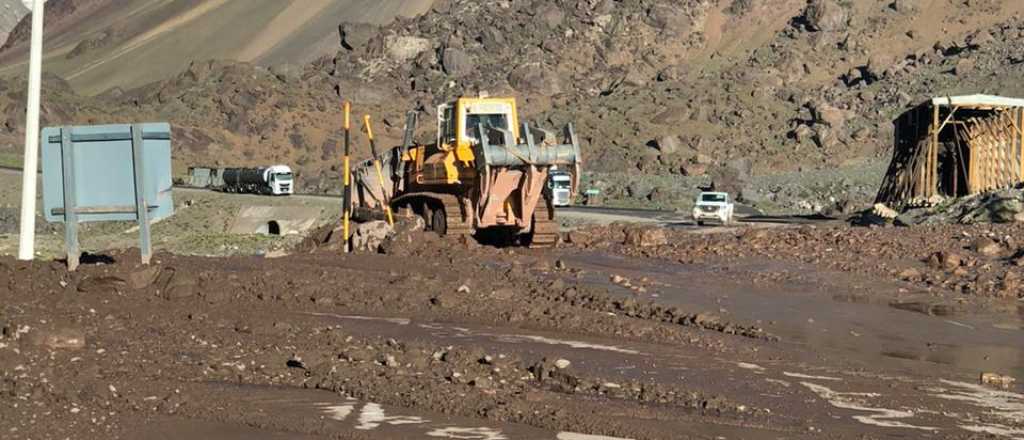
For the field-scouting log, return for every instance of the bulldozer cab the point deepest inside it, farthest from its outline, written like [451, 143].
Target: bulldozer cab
[458, 122]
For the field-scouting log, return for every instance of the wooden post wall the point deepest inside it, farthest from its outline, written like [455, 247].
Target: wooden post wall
[1020, 129]
[933, 158]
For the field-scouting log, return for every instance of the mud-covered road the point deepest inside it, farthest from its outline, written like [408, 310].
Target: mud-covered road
[440, 338]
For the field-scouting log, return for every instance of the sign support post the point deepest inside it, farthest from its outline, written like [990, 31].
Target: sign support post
[141, 205]
[67, 152]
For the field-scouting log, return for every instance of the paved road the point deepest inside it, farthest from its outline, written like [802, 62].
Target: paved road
[744, 215]
[589, 214]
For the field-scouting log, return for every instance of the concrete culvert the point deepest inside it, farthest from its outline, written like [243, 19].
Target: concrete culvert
[274, 220]
[271, 227]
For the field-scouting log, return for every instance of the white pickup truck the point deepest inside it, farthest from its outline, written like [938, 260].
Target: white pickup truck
[713, 206]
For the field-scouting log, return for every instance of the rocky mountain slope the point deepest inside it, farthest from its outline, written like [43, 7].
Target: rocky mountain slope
[11, 12]
[663, 87]
[810, 87]
[100, 44]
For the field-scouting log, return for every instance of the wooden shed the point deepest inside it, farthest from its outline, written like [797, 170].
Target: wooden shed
[955, 146]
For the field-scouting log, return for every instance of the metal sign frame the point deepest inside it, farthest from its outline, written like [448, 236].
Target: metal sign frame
[147, 190]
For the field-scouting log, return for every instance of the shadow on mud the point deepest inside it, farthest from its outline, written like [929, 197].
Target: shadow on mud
[88, 259]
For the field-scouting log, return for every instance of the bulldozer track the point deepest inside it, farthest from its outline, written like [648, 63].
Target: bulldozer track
[545, 233]
[456, 219]
[458, 223]
[545, 230]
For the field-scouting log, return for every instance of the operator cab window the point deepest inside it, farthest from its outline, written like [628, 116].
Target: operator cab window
[493, 120]
[473, 122]
[446, 126]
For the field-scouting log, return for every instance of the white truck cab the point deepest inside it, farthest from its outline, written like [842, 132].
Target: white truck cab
[280, 180]
[713, 206]
[560, 185]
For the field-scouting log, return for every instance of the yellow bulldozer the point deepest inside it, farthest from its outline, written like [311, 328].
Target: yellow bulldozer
[485, 172]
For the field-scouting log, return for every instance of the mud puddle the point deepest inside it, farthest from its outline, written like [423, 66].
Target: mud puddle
[805, 313]
[864, 401]
[980, 409]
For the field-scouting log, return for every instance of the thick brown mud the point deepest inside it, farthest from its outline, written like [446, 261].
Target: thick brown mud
[447, 339]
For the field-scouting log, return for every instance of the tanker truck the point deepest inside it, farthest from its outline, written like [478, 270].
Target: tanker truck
[275, 180]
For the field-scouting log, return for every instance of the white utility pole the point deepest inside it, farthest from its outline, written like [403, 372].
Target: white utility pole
[26, 245]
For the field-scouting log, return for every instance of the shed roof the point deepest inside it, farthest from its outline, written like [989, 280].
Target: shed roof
[977, 101]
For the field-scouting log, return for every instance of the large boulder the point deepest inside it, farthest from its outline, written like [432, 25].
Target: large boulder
[1004, 206]
[947, 261]
[355, 36]
[457, 62]
[404, 48]
[370, 235]
[826, 15]
[965, 66]
[646, 236]
[668, 145]
[980, 39]
[878, 65]
[732, 176]
[906, 6]
[670, 19]
[986, 246]
[693, 169]
[827, 114]
[551, 15]
[1006, 210]
[535, 78]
